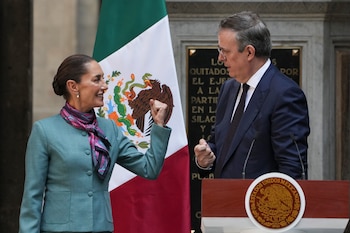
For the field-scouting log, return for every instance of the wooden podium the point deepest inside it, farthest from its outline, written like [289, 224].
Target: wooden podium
[223, 207]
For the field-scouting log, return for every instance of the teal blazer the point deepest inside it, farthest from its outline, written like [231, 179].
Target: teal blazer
[62, 192]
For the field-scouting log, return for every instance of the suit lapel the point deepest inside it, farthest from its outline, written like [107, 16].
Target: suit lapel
[232, 100]
[252, 109]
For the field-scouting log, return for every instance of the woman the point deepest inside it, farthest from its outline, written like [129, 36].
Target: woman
[70, 156]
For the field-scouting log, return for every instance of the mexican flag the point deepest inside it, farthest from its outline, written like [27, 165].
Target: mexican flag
[133, 47]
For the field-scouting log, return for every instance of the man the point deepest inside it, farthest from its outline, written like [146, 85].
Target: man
[271, 135]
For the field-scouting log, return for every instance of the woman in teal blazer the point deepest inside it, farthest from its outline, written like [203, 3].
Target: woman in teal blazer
[70, 156]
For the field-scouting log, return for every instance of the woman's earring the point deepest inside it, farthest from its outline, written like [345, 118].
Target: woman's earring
[78, 95]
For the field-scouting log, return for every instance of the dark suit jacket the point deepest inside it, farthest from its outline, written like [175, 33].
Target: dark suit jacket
[276, 115]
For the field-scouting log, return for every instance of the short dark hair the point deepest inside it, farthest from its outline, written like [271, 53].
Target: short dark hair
[72, 68]
[250, 30]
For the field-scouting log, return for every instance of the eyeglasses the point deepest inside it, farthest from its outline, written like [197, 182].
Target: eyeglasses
[222, 52]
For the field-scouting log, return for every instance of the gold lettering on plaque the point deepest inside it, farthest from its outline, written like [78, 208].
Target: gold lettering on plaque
[199, 91]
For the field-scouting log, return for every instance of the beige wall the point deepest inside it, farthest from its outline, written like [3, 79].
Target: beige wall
[60, 28]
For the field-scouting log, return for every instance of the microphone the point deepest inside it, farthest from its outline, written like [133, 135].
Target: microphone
[301, 161]
[248, 154]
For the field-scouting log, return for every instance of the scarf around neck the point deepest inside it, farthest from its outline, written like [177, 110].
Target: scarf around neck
[98, 141]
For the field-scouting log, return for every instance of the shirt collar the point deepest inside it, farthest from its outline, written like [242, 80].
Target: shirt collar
[255, 79]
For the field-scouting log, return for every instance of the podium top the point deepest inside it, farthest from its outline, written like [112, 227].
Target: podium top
[226, 198]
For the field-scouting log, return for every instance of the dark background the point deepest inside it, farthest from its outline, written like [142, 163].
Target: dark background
[16, 105]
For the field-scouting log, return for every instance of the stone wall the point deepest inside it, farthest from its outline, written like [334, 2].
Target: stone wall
[60, 28]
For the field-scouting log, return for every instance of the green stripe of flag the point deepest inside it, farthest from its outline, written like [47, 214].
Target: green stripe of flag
[120, 23]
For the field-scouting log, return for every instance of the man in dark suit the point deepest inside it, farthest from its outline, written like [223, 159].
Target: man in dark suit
[271, 135]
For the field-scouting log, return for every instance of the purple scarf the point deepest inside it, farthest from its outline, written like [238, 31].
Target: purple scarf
[98, 141]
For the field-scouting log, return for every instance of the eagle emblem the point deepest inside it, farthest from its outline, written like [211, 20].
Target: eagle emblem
[128, 104]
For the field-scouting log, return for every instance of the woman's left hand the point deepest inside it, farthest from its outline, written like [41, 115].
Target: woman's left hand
[159, 111]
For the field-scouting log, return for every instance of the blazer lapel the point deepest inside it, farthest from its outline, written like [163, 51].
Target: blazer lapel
[229, 100]
[232, 101]
[252, 110]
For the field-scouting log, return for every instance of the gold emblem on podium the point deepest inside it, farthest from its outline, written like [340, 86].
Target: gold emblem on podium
[275, 202]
